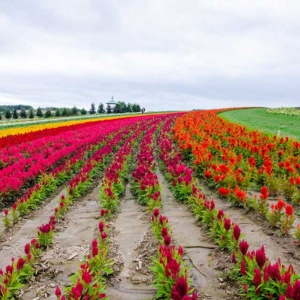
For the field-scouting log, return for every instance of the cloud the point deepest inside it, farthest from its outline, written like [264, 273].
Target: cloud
[161, 54]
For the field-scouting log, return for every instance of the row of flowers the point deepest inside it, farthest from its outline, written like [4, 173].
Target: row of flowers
[228, 155]
[48, 183]
[15, 276]
[170, 270]
[18, 129]
[24, 172]
[259, 277]
[90, 281]
[232, 161]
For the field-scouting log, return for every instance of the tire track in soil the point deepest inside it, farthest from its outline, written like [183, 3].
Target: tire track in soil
[14, 246]
[197, 250]
[75, 235]
[135, 244]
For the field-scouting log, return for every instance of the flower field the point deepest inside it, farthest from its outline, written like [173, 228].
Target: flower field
[101, 210]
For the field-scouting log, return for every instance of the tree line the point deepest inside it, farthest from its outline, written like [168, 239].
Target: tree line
[26, 111]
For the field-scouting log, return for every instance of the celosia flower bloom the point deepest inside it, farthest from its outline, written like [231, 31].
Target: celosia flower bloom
[167, 240]
[236, 232]
[289, 210]
[244, 247]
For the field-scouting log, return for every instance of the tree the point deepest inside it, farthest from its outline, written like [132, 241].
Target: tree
[83, 111]
[136, 108]
[64, 112]
[15, 114]
[0, 117]
[23, 113]
[30, 113]
[92, 110]
[39, 112]
[74, 111]
[101, 109]
[48, 113]
[122, 107]
[117, 108]
[108, 109]
[57, 113]
[129, 107]
[7, 114]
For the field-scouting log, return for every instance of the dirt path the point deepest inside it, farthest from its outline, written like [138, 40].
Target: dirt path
[14, 246]
[135, 246]
[198, 251]
[71, 244]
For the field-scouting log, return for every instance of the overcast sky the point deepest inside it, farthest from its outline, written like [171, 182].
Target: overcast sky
[162, 54]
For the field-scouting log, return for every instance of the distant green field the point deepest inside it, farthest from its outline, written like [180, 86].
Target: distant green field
[258, 118]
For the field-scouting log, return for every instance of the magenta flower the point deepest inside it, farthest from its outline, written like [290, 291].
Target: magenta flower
[227, 224]
[167, 240]
[236, 232]
[244, 247]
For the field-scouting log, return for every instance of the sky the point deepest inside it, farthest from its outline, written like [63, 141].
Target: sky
[161, 54]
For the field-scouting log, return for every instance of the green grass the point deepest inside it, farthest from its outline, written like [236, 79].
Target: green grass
[259, 119]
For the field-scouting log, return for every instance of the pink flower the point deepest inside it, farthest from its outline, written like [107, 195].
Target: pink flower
[180, 250]
[21, 262]
[243, 268]
[180, 289]
[156, 212]
[57, 292]
[103, 235]
[244, 247]
[257, 279]
[86, 277]
[167, 240]
[101, 226]
[227, 224]
[164, 231]
[260, 257]
[27, 249]
[236, 232]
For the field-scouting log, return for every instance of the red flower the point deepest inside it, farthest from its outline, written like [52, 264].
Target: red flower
[155, 212]
[57, 292]
[101, 226]
[223, 191]
[257, 279]
[86, 277]
[180, 289]
[164, 231]
[103, 235]
[220, 214]
[280, 204]
[20, 263]
[167, 240]
[260, 256]
[227, 224]
[243, 268]
[27, 248]
[95, 251]
[289, 210]
[244, 247]
[236, 232]
[180, 250]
